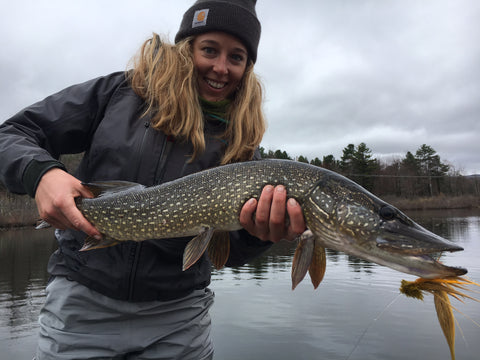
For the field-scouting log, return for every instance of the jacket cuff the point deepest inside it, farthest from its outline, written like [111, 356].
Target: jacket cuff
[34, 172]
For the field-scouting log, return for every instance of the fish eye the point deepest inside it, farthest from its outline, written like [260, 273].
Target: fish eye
[387, 212]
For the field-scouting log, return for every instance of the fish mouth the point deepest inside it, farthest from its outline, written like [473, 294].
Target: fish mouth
[438, 270]
[419, 249]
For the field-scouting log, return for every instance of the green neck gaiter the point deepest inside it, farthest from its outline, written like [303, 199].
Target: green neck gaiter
[215, 109]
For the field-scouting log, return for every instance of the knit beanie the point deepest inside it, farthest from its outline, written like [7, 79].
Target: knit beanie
[236, 17]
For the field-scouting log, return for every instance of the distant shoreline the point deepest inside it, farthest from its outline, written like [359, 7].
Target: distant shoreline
[441, 202]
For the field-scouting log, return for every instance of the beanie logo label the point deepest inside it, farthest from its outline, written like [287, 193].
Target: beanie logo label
[200, 18]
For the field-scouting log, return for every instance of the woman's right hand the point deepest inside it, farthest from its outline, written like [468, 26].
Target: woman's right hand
[55, 198]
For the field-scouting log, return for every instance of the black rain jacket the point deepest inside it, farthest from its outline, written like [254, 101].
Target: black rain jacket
[104, 119]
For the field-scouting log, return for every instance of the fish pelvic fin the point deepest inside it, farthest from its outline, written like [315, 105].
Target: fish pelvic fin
[302, 257]
[318, 264]
[91, 243]
[196, 247]
[219, 249]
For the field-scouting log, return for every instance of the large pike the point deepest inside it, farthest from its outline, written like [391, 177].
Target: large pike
[340, 215]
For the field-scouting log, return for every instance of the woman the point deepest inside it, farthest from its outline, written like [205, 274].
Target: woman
[183, 108]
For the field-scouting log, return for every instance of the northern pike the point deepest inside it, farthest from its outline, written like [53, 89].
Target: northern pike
[339, 214]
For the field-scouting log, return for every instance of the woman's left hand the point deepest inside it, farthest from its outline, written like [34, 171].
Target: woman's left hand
[270, 211]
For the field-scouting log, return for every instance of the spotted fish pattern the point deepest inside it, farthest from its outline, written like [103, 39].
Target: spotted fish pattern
[339, 214]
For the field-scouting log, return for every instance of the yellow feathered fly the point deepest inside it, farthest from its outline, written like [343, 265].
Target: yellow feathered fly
[441, 289]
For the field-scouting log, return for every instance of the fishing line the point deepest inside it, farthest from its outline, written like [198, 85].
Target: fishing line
[370, 325]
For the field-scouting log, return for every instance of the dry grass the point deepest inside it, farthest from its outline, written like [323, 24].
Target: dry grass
[436, 202]
[16, 210]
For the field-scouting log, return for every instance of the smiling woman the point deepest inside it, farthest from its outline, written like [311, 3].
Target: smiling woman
[164, 118]
[220, 60]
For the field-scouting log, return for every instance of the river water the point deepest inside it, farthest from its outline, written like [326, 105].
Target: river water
[356, 313]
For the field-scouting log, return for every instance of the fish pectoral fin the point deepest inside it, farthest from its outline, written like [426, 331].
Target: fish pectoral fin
[219, 249]
[91, 243]
[318, 264]
[196, 247]
[302, 257]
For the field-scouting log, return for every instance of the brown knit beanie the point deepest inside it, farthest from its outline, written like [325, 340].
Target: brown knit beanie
[236, 17]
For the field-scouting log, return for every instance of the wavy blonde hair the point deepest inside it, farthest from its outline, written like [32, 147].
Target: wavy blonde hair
[164, 75]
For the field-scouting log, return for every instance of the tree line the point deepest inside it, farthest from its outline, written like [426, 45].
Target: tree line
[419, 174]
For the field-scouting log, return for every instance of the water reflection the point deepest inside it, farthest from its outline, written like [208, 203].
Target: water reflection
[454, 225]
[355, 314]
[279, 260]
[23, 276]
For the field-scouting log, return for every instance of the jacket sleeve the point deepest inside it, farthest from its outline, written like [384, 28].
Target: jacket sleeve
[63, 123]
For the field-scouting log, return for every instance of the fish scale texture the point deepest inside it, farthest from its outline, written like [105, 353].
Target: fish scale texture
[184, 207]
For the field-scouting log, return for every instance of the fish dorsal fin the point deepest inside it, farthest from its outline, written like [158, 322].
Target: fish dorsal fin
[219, 249]
[105, 188]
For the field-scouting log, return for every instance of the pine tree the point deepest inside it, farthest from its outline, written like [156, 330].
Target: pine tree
[302, 159]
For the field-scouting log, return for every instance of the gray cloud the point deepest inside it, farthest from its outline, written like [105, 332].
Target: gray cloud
[394, 74]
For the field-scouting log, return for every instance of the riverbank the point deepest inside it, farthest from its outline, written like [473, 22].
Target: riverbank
[440, 202]
[21, 211]
[17, 211]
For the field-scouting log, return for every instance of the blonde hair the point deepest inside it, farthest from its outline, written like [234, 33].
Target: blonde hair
[164, 76]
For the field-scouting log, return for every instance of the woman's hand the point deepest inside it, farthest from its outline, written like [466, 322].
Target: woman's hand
[270, 212]
[55, 198]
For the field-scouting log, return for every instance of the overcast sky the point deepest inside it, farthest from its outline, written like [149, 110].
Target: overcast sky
[394, 74]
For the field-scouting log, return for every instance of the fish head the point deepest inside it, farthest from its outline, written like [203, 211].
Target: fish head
[346, 217]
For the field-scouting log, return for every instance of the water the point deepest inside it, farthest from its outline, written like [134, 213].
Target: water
[356, 313]
[23, 258]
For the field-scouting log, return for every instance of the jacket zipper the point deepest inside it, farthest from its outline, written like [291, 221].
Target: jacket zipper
[137, 246]
[162, 161]
[140, 151]
[159, 172]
